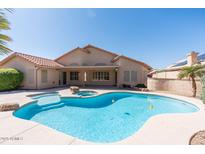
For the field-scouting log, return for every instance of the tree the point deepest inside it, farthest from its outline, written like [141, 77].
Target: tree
[192, 72]
[4, 39]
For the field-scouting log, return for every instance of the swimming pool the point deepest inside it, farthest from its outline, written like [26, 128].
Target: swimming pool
[105, 118]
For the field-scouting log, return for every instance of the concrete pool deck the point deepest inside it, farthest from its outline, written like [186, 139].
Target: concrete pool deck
[160, 129]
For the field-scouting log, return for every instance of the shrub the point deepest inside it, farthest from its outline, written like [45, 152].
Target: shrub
[10, 78]
[141, 86]
[203, 88]
[126, 86]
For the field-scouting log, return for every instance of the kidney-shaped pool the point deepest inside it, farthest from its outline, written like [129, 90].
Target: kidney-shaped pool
[105, 118]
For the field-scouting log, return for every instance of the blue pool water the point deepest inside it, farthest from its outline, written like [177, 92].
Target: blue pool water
[86, 93]
[105, 118]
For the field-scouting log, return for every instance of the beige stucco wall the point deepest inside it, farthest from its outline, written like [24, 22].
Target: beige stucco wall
[128, 65]
[181, 87]
[24, 66]
[73, 57]
[52, 78]
[82, 58]
[166, 74]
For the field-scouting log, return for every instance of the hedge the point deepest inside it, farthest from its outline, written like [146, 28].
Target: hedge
[10, 78]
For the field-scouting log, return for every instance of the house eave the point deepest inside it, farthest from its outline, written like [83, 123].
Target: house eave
[84, 67]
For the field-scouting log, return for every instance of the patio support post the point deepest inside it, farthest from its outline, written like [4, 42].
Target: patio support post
[116, 70]
[84, 78]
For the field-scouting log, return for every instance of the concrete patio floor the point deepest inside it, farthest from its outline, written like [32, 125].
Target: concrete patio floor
[160, 129]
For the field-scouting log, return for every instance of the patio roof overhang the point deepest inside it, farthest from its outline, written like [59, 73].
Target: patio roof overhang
[90, 67]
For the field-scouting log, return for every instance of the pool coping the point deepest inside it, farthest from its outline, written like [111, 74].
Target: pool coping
[133, 139]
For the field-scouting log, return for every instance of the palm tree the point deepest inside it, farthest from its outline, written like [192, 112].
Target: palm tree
[4, 25]
[192, 72]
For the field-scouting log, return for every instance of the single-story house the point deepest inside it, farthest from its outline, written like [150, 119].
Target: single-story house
[89, 65]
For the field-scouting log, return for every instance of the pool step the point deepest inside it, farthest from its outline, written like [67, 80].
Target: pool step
[52, 106]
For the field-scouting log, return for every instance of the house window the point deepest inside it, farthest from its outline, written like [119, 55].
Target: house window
[126, 76]
[30, 76]
[133, 76]
[130, 76]
[44, 76]
[101, 76]
[74, 76]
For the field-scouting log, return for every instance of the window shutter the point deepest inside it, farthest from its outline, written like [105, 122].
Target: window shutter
[126, 76]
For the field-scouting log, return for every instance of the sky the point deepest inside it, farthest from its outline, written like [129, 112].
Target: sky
[158, 37]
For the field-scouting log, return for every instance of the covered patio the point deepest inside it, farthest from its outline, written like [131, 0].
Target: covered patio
[88, 75]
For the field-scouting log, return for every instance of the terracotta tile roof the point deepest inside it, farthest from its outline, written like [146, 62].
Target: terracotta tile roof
[136, 61]
[38, 61]
[44, 62]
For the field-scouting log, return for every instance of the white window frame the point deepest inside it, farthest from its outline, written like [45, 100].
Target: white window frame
[101, 76]
[126, 79]
[74, 76]
[133, 76]
[130, 76]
